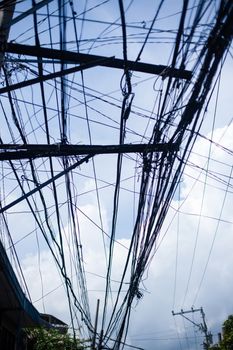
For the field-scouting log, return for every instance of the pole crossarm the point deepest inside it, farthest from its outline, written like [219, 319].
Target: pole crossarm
[71, 57]
[50, 76]
[13, 151]
[184, 312]
[188, 319]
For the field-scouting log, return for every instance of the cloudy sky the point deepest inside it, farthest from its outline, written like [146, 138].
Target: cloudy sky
[192, 258]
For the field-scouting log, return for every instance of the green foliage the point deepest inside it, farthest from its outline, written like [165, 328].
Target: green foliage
[227, 341]
[43, 339]
[227, 336]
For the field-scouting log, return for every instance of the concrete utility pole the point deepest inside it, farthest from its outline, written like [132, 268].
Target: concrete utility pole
[202, 326]
[96, 324]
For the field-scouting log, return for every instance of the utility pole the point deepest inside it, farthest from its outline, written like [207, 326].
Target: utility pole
[202, 326]
[96, 324]
[6, 14]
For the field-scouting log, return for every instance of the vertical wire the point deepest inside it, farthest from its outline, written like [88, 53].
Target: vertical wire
[177, 251]
[203, 193]
[90, 139]
[124, 117]
[40, 69]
